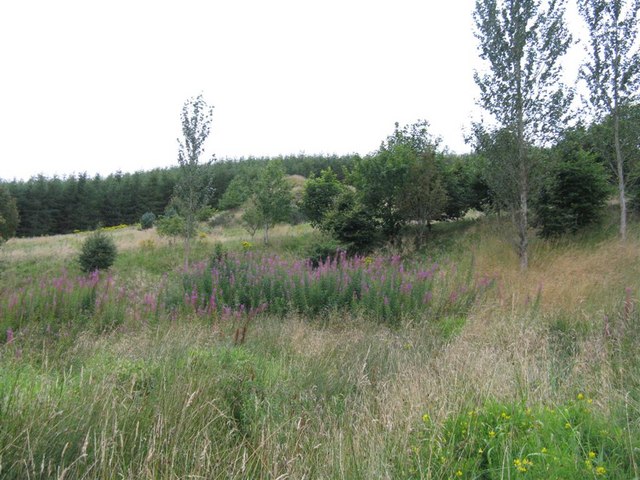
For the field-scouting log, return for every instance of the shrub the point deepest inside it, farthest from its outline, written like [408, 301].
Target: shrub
[147, 220]
[205, 213]
[98, 252]
[170, 226]
[573, 196]
[351, 224]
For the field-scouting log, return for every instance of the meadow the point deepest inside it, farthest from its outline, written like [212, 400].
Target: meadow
[258, 362]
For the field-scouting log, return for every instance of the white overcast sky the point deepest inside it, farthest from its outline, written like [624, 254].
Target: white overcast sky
[98, 86]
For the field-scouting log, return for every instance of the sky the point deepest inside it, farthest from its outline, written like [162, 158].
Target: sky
[98, 87]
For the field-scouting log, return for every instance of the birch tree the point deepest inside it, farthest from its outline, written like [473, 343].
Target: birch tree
[612, 73]
[191, 191]
[521, 42]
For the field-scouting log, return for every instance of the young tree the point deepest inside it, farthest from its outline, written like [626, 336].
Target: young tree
[272, 196]
[574, 193]
[612, 72]
[251, 218]
[191, 191]
[424, 195]
[381, 178]
[319, 194]
[522, 42]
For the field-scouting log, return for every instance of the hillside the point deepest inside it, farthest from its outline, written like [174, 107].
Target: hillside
[451, 363]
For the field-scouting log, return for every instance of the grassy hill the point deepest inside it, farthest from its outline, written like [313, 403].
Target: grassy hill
[443, 363]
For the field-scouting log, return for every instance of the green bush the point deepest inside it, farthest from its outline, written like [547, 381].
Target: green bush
[351, 224]
[147, 220]
[98, 252]
[573, 195]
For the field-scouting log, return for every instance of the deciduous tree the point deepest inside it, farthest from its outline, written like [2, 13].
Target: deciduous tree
[612, 73]
[191, 191]
[272, 196]
[522, 42]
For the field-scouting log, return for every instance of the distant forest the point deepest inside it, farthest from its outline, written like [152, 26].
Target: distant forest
[49, 206]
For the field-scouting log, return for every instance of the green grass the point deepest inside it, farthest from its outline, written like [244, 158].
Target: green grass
[119, 393]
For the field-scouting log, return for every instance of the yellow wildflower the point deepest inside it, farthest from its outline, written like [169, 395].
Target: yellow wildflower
[492, 434]
[601, 470]
[580, 396]
[592, 454]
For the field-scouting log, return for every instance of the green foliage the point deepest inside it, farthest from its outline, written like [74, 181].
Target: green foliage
[322, 250]
[251, 218]
[272, 196]
[240, 188]
[350, 222]
[98, 252]
[319, 196]
[574, 193]
[522, 42]
[171, 226]
[191, 190]
[465, 185]
[424, 195]
[147, 220]
[514, 441]
[382, 178]
[612, 73]
[205, 213]
[9, 218]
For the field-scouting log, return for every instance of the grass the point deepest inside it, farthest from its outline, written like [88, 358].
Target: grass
[334, 395]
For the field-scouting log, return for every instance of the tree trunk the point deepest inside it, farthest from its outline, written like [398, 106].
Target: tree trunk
[523, 224]
[523, 181]
[187, 252]
[620, 172]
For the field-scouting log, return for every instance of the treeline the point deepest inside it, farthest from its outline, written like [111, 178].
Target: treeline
[48, 206]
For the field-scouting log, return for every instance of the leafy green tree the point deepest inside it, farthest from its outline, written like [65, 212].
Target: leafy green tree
[191, 192]
[574, 192]
[272, 196]
[381, 179]
[613, 72]
[424, 195]
[351, 224]
[9, 218]
[251, 218]
[522, 42]
[466, 187]
[319, 195]
[170, 226]
[240, 187]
